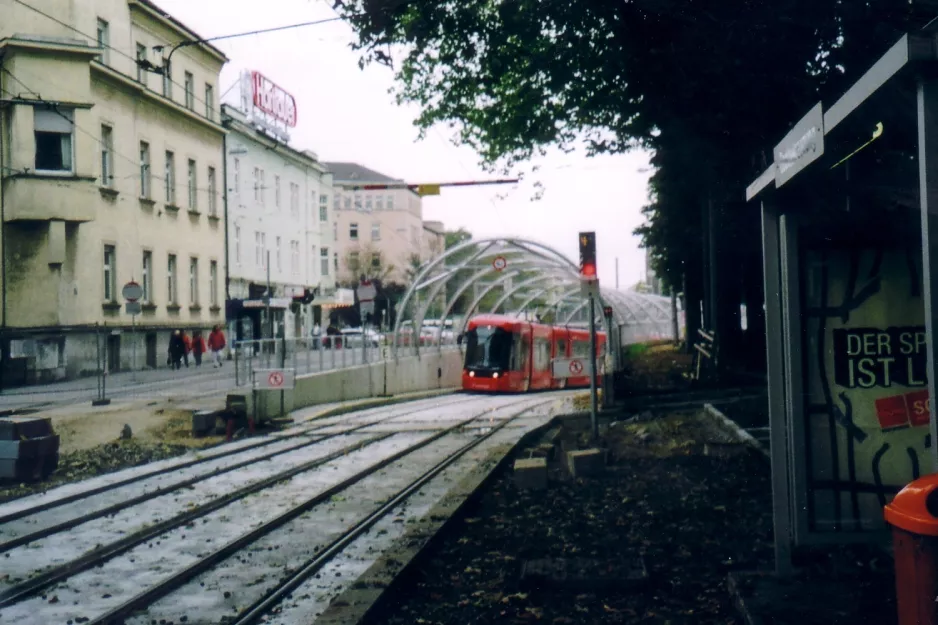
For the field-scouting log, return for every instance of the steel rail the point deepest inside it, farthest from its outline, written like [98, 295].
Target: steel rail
[116, 615]
[97, 556]
[13, 516]
[261, 607]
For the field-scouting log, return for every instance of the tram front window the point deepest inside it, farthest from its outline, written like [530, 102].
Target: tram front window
[488, 348]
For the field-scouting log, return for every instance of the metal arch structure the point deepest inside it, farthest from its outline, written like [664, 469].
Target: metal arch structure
[635, 316]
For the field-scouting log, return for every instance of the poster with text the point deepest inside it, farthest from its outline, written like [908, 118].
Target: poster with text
[866, 397]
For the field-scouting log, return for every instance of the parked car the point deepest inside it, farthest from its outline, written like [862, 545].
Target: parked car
[352, 337]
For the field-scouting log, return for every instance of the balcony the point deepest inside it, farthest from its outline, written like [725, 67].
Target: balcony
[38, 197]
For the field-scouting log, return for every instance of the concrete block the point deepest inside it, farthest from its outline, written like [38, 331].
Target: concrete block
[16, 428]
[586, 462]
[531, 473]
[203, 421]
[544, 450]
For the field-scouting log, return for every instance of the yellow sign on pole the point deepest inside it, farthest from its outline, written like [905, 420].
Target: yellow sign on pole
[428, 189]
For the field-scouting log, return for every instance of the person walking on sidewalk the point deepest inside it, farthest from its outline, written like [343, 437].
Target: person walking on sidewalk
[187, 343]
[216, 343]
[198, 347]
[177, 348]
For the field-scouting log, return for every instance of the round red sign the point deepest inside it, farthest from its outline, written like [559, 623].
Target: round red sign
[576, 367]
[275, 379]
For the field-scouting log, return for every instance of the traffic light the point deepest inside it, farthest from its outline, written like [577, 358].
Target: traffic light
[607, 311]
[588, 255]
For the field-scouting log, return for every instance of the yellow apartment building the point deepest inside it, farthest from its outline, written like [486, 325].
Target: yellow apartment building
[111, 170]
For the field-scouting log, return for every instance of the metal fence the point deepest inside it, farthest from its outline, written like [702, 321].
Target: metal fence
[314, 354]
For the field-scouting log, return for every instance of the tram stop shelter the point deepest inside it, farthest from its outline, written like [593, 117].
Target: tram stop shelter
[524, 278]
[850, 250]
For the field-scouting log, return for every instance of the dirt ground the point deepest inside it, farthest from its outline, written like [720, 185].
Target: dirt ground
[90, 440]
[655, 368]
[691, 517]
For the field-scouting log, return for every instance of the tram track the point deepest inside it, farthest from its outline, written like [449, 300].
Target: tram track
[302, 432]
[96, 558]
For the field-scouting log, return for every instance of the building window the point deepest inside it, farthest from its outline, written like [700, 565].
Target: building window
[376, 261]
[368, 203]
[379, 202]
[167, 80]
[413, 235]
[277, 191]
[104, 39]
[212, 193]
[348, 202]
[237, 242]
[337, 201]
[145, 170]
[295, 200]
[324, 261]
[141, 57]
[193, 281]
[147, 283]
[260, 245]
[209, 102]
[170, 178]
[110, 271]
[335, 261]
[312, 263]
[189, 85]
[295, 257]
[107, 156]
[193, 195]
[171, 290]
[358, 202]
[237, 176]
[390, 202]
[277, 254]
[335, 231]
[353, 261]
[323, 208]
[213, 283]
[53, 130]
[353, 231]
[376, 231]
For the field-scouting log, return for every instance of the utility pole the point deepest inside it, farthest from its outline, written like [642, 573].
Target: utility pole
[617, 273]
[270, 319]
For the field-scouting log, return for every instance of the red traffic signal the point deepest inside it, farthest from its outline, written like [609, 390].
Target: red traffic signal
[607, 311]
[588, 254]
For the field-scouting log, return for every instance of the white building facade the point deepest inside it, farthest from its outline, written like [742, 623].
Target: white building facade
[279, 233]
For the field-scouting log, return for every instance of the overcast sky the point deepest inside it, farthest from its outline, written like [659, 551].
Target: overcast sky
[347, 114]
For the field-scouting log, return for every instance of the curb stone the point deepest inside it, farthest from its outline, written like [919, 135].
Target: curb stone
[371, 589]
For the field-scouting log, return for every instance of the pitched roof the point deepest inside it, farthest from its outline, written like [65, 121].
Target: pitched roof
[353, 172]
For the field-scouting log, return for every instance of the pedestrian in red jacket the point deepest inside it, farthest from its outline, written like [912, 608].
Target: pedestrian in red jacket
[198, 347]
[216, 343]
[187, 341]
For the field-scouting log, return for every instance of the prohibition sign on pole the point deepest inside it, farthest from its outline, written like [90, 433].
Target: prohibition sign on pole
[132, 291]
[576, 367]
[499, 263]
[275, 379]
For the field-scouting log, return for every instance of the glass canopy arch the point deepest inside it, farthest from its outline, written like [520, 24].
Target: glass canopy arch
[517, 277]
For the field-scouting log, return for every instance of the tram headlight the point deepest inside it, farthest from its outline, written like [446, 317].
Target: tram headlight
[472, 374]
[495, 375]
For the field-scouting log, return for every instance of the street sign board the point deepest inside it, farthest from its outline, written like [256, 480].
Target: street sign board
[132, 291]
[570, 367]
[589, 287]
[499, 263]
[275, 379]
[132, 308]
[803, 145]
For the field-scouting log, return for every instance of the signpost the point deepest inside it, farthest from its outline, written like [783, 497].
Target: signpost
[132, 292]
[499, 263]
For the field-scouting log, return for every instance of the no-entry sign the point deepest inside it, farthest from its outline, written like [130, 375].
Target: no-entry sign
[274, 379]
[570, 367]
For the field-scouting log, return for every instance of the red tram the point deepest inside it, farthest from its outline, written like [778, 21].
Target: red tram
[509, 355]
